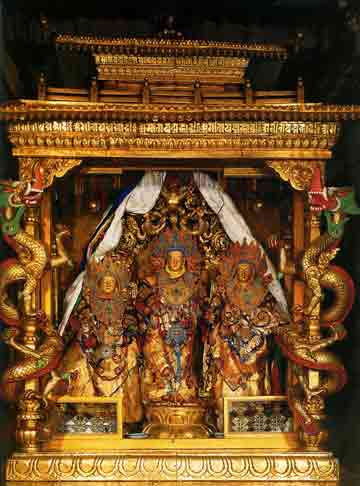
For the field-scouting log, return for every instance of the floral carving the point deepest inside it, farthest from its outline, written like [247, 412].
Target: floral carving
[298, 173]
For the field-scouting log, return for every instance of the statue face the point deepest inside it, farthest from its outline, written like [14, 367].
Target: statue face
[175, 260]
[108, 284]
[244, 272]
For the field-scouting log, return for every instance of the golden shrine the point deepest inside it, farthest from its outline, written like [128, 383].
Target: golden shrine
[194, 345]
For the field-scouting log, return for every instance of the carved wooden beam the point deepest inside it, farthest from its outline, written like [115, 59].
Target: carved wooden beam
[29, 110]
[161, 46]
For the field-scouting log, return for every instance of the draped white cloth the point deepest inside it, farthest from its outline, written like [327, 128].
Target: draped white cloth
[142, 199]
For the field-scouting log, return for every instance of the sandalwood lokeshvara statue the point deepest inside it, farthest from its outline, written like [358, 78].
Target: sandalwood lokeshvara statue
[170, 304]
[169, 311]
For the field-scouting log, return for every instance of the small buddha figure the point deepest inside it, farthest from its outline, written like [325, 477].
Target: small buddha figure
[103, 358]
[243, 314]
[169, 304]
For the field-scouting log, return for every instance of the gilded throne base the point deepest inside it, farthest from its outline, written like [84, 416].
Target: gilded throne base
[256, 459]
[170, 467]
[173, 421]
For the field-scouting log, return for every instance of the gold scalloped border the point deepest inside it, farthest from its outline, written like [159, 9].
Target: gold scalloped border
[161, 466]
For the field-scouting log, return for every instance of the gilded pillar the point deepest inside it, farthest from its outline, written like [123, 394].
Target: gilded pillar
[31, 305]
[313, 318]
[47, 237]
[298, 223]
[37, 256]
[314, 403]
[29, 408]
[306, 229]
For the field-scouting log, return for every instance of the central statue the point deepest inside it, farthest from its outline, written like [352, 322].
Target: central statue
[169, 305]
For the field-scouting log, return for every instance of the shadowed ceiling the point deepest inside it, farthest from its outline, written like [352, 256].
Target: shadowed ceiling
[320, 34]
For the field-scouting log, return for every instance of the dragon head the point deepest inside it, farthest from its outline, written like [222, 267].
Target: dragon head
[35, 188]
[319, 198]
[23, 193]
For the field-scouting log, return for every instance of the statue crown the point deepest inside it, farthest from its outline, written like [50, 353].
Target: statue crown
[112, 264]
[172, 240]
[246, 252]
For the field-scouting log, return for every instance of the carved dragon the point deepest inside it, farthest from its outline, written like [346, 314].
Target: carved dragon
[319, 274]
[309, 355]
[31, 259]
[36, 363]
[27, 269]
[31, 255]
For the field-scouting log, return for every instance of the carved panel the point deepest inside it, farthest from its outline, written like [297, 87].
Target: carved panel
[298, 173]
[52, 167]
[174, 127]
[93, 136]
[166, 68]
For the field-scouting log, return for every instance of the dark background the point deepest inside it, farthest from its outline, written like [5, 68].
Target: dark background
[324, 41]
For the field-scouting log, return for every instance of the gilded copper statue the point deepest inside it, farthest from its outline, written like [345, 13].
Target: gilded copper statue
[103, 358]
[169, 303]
[242, 315]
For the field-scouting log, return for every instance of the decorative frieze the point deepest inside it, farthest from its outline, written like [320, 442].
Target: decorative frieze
[192, 467]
